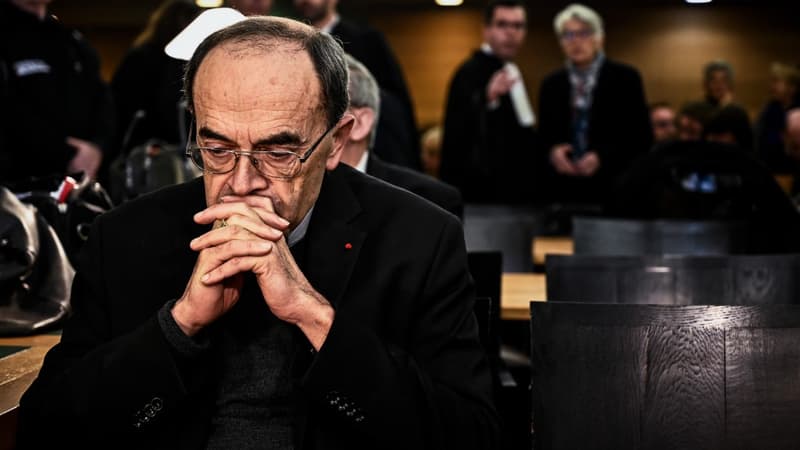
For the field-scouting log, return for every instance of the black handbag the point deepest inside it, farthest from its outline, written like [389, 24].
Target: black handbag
[35, 272]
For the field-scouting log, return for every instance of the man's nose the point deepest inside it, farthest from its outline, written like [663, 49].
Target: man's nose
[246, 178]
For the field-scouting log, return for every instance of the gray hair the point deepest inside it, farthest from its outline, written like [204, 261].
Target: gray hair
[364, 92]
[582, 13]
[262, 34]
[718, 65]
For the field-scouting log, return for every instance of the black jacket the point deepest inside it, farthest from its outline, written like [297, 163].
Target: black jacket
[403, 350]
[486, 153]
[50, 88]
[619, 128]
[425, 186]
[369, 47]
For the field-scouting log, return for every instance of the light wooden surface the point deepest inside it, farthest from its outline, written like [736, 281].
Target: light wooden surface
[18, 370]
[518, 290]
[555, 245]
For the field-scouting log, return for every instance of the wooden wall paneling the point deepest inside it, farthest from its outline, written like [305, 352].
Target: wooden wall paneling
[667, 43]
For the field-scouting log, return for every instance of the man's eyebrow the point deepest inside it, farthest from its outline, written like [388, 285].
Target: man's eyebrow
[281, 138]
[208, 133]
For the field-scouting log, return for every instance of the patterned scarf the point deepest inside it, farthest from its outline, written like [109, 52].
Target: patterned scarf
[583, 83]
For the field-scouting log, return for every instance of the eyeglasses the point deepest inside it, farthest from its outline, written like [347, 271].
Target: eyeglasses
[503, 24]
[280, 163]
[571, 35]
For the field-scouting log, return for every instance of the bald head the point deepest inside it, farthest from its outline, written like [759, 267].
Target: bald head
[276, 34]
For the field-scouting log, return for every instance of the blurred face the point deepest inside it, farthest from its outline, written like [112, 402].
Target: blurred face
[256, 100]
[314, 10]
[431, 154]
[506, 32]
[718, 85]
[791, 136]
[31, 6]
[252, 7]
[580, 42]
[782, 90]
[689, 129]
[663, 119]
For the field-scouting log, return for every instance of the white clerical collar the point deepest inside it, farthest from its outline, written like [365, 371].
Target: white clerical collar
[330, 25]
[299, 231]
[486, 48]
[362, 163]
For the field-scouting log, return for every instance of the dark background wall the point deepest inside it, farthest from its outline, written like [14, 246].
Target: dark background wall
[667, 40]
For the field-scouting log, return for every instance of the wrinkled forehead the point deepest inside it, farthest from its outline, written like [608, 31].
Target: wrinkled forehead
[262, 75]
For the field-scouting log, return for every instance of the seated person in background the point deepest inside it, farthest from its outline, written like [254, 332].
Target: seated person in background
[432, 150]
[693, 117]
[324, 309]
[730, 125]
[662, 116]
[701, 180]
[593, 115]
[370, 47]
[365, 106]
[785, 95]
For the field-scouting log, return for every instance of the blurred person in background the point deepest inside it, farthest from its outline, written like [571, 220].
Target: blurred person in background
[147, 85]
[771, 124]
[56, 116]
[662, 116]
[366, 108]
[692, 119]
[252, 7]
[431, 143]
[718, 83]
[718, 87]
[593, 115]
[398, 137]
[488, 142]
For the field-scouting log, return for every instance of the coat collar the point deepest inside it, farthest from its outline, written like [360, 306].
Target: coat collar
[334, 239]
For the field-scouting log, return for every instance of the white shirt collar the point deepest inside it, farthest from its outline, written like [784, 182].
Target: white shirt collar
[299, 231]
[335, 21]
[362, 163]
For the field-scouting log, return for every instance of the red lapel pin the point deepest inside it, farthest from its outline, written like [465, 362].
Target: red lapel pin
[348, 246]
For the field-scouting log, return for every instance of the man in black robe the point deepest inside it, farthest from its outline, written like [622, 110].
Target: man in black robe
[487, 150]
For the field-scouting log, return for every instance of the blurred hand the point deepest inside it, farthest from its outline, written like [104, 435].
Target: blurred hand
[560, 158]
[499, 85]
[588, 164]
[87, 157]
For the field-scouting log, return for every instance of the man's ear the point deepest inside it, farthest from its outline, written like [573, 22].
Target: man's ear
[365, 120]
[340, 137]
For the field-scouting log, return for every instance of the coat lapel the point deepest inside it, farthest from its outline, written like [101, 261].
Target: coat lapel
[334, 239]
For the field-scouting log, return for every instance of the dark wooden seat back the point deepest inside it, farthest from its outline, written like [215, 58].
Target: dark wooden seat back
[612, 236]
[486, 268]
[665, 377]
[674, 279]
